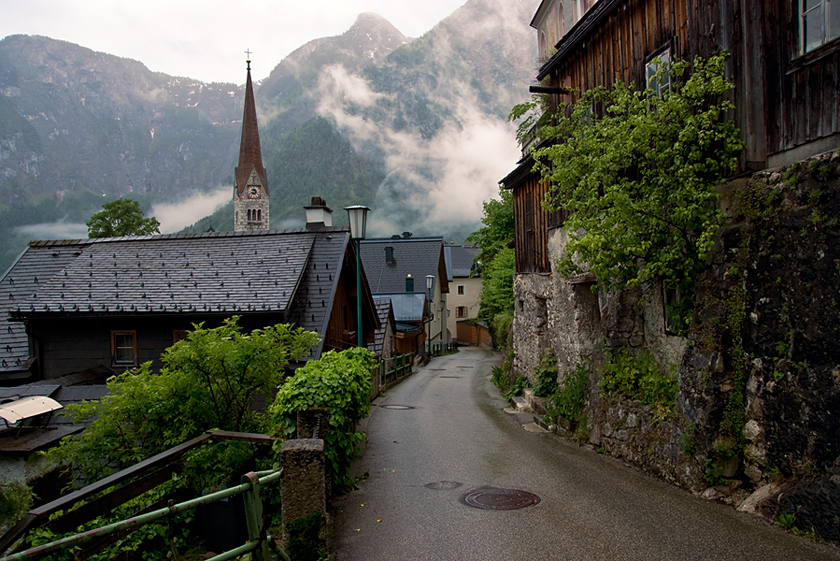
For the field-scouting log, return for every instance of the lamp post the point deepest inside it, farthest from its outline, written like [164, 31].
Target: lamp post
[357, 214]
[430, 281]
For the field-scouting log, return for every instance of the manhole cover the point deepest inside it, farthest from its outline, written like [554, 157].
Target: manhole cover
[495, 498]
[443, 485]
[399, 407]
[448, 376]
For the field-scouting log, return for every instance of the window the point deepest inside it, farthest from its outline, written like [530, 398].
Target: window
[461, 289]
[461, 312]
[659, 60]
[819, 23]
[179, 335]
[124, 348]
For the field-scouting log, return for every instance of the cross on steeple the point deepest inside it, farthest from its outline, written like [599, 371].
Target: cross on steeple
[248, 60]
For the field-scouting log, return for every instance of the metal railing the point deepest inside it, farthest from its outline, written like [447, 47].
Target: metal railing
[440, 348]
[394, 368]
[259, 541]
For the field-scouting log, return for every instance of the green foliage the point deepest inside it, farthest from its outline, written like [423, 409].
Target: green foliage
[497, 285]
[638, 173]
[341, 383]
[516, 388]
[304, 540]
[501, 379]
[568, 400]
[711, 474]
[500, 328]
[786, 520]
[688, 444]
[16, 499]
[497, 231]
[638, 377]
[209, 382]
[121, 217]
[545, 375]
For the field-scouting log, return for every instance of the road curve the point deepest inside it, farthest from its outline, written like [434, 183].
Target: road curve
[443, 432]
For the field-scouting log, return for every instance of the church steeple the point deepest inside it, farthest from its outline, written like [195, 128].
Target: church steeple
[250, 192]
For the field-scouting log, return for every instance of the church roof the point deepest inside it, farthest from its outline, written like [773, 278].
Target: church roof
[293, 273]
[250, 153]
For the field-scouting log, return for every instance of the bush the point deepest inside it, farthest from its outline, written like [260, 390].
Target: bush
[568, 400]
[545, 375]
[341, 383]
[500, 328]
[516, 389]
[16, 499]
[638, 377]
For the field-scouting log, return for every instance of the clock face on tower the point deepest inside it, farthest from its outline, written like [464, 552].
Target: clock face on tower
[253, 192]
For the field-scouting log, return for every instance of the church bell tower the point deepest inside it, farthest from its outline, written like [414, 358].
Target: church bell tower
[250, 190]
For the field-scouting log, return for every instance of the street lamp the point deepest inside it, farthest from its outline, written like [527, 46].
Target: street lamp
[430, 281]
[357, 214]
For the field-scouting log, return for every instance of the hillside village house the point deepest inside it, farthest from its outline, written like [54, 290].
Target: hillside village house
[463, 300]
[399, 269]
[784, 61]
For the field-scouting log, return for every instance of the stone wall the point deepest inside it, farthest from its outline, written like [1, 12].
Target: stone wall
[758, 405]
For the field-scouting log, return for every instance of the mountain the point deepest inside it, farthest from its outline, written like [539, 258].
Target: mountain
[415, 128]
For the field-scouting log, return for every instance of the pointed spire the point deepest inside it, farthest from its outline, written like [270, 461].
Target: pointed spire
[250, 154]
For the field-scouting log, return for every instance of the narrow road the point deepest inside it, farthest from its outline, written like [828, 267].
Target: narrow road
[443, 432]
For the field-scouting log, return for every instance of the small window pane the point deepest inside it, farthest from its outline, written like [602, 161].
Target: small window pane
[833, 20]
[124, 348]
[812, 29]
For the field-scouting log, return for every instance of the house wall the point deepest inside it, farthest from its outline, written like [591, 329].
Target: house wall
[783, 100]
[66, 346]
[470, 300]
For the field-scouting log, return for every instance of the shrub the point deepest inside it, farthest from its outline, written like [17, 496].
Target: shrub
[341, 383]
[516, 389]
[568, 400]
[545, 375]
[638, 377]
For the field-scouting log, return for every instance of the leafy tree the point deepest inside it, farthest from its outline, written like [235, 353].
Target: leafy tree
[497, 285]
[638, 173]
[121, 217]
[209, 382]
[497, 231]
[340, 382]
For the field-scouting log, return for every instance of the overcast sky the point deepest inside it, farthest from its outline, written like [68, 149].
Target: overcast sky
[206, 39]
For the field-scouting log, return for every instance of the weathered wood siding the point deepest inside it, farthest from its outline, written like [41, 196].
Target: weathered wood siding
[782, 100]
[531, 226]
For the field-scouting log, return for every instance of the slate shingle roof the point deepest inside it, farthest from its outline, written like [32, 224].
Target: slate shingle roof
[416, 256]
[385, 313]
[459, 259]
[292, 272]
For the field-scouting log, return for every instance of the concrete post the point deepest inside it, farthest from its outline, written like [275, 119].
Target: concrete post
[304, 492]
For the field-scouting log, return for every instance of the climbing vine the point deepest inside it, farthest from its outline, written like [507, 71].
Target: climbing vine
[638, 174]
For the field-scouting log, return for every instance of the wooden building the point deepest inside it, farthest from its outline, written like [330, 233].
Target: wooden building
[118, 302]
[784, 61]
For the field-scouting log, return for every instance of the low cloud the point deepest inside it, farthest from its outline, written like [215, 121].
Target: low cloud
[433, 185]
[58, 230]
[178, 215]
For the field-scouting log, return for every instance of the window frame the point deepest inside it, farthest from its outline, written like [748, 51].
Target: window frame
[179, 335]
[115, 361]
[461, 312]
[462, 290]
[824, 8]
[664, 56]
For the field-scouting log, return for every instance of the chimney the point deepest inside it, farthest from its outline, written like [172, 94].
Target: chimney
[389, 255]
[406, 235]
[409, 283]
[318, 213]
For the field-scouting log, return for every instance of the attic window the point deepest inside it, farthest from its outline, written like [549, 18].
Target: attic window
[124, 348]
[819, 23]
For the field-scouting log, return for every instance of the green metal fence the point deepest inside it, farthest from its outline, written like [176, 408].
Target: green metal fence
[259, 542]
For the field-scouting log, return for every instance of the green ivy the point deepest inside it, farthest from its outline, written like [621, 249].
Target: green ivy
[569, 399]
[638, 175]
[638, 377]
[341, 383]
[545, 375]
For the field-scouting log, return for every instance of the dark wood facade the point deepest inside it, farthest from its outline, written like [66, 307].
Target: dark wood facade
[783, 99]
[786, 100]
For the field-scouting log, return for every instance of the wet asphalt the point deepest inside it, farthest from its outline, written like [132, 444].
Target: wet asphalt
[443, 432]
